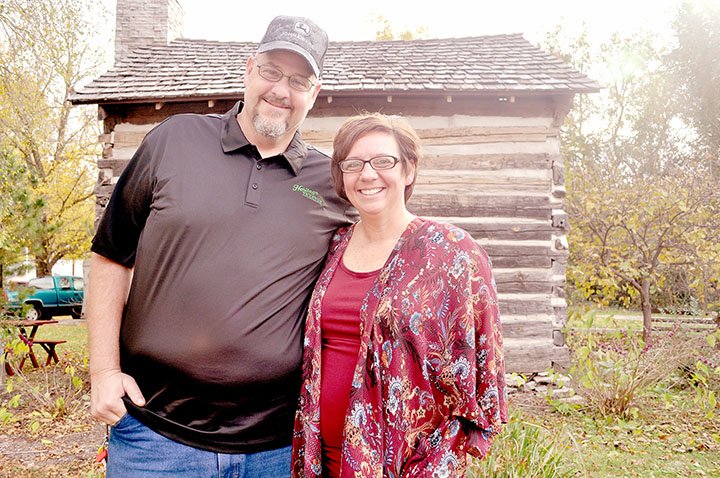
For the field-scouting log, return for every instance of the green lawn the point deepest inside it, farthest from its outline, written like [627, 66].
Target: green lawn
[631, 320]
[74, 331]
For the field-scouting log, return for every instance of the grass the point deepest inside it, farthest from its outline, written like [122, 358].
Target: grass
[616, 318]
[45, 426]
[74, 331]
[667, 435]
[524, 449]
[666, 432]
[668, 438]
[604, 318]
[659, 441]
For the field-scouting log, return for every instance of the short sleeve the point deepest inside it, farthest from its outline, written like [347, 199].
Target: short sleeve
[129, 206]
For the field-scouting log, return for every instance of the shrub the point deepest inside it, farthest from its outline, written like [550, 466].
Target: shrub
[702, 375]
[47, 393]
[611, 369]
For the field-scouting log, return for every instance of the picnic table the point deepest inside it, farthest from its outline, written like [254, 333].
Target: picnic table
[29, 339]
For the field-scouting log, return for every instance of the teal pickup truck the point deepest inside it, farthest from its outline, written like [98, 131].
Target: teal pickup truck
[45, 297]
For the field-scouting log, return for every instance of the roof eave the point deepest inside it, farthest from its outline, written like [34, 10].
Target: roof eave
[78, 100]
[82, 99]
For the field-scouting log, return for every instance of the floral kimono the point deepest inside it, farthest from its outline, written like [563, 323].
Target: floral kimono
[429, 384]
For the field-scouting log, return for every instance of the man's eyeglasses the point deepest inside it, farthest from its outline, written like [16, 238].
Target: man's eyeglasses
[378, 163]
[274, 74]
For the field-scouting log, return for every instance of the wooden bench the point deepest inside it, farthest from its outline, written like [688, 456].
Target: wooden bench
[48, 346]
[29, 339]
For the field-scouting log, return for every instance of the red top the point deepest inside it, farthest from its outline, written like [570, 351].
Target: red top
[340, 345]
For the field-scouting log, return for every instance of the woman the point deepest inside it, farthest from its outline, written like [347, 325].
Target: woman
[403, 362]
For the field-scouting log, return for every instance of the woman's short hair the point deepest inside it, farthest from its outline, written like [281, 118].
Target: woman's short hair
[356, 127]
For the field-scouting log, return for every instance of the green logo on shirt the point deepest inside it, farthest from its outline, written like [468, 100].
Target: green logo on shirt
[309, 193]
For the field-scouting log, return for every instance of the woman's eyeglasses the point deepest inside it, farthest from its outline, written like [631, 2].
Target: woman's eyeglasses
[378, 163]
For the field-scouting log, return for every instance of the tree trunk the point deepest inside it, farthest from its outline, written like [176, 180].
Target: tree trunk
[43, 264]
[41, 267]
[646, 310]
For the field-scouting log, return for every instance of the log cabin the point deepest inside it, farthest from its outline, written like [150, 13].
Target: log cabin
[488, 109]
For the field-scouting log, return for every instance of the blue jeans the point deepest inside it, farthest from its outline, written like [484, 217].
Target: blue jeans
[135, 451]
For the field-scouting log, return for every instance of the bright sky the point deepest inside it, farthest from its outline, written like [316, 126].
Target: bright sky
[355, 20]
[238, 20]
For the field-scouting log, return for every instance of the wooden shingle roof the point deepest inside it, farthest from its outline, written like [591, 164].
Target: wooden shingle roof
[200, 69]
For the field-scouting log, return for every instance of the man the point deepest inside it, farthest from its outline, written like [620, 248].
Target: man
[201, 271]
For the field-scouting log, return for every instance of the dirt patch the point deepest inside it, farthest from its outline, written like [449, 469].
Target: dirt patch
[58, 451]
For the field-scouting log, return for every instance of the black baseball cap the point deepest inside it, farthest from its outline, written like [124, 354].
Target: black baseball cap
[297, 34]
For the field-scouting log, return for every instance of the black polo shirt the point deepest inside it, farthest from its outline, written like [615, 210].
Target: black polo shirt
[226, 247]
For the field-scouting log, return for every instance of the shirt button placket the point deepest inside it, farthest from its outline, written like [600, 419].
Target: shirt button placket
[252, 197]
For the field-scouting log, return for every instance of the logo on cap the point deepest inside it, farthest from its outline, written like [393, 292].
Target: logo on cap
[303, 28]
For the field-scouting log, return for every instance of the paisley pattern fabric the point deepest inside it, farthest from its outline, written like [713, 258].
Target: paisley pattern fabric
[429, 382]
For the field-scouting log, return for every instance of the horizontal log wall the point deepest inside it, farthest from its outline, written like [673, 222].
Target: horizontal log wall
[492, 169]
[497, 178]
